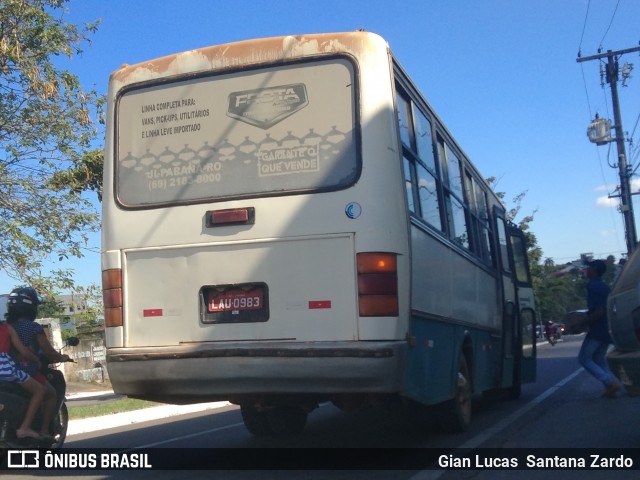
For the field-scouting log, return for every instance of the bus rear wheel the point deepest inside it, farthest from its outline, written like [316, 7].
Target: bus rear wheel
[279, 420]
[455, 414]
[286, 419]
[255, 420]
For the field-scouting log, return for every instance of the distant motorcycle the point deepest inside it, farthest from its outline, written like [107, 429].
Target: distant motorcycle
[551, 333]
[15, 400]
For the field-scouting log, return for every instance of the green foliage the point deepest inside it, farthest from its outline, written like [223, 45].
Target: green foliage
[91, 297]
[109, 408]
[85, 175]
[46, 132]
[67, 333]
[557, 294]
[50, 308]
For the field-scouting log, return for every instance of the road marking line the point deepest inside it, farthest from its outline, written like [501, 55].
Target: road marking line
[185, 437]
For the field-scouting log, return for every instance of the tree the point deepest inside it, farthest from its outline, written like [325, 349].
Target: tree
[50, 308]
[91, 298]
[556, 295]
[46, 135]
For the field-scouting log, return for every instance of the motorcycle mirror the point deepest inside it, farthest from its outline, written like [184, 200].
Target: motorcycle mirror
[73, 341]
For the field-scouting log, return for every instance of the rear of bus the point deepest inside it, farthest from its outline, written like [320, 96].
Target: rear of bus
[254, 229]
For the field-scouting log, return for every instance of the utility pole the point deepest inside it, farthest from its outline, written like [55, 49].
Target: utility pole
[626, 206]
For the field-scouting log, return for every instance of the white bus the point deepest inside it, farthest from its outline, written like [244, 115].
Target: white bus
[286, 221]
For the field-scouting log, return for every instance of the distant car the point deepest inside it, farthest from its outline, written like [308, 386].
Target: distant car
[624, 323]
[575, 322]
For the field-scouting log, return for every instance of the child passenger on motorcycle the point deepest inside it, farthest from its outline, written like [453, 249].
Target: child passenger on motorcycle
[22, 309]
[9, 372]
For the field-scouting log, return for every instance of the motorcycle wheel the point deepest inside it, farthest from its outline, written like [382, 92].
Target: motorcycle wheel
[60, 425]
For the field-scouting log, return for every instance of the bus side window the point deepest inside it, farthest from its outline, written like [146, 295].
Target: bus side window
[503, 245]
[404, 119]
[428, 194]
[520, 259]
[409, 183]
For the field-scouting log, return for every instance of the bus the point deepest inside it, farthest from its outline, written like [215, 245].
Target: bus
[287, 222]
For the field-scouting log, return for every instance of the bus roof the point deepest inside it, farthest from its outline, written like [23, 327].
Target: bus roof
[248, 52]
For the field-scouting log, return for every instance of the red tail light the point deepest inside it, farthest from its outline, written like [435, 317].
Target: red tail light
[112, 297]
[377, 284]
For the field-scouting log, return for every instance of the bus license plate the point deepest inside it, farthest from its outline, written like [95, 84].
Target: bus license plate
[236, 300]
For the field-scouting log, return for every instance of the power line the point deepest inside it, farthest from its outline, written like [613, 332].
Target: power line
[584, 27]
[610, 23]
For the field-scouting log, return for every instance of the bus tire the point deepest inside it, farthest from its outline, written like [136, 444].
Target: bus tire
[455, 414]
[515, 391]
[255, 420]
[286, 419]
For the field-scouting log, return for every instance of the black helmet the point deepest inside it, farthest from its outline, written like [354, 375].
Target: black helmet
[24, 301]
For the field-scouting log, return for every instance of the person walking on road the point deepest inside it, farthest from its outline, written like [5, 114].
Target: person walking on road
[594, 348]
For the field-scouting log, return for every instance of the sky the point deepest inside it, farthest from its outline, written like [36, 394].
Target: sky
[501, 74]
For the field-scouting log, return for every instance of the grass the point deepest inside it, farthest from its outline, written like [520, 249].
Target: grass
[108, 408]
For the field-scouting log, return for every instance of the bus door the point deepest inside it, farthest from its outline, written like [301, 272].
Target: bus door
[518, 318]
[526, 306]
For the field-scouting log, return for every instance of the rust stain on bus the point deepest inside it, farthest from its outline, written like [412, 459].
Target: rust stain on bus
[246, 53]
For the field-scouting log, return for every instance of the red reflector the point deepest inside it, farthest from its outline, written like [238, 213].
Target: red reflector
[230, 217]
[112, 297]
[316, 304]
[113, 317]
[152, 312]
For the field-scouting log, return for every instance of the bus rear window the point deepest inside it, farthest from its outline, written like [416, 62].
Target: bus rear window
[272, 131]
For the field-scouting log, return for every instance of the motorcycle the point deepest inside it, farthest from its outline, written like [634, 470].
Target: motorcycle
[15, 399]
[552, 337]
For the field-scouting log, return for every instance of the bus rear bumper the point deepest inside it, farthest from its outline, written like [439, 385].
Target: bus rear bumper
[190, 374]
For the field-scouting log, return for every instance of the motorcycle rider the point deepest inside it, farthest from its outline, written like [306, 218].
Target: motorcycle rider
[550, 330]
[22, 309]
[9, 372]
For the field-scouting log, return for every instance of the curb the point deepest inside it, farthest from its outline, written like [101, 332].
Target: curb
[89, 394]
[94, 424]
